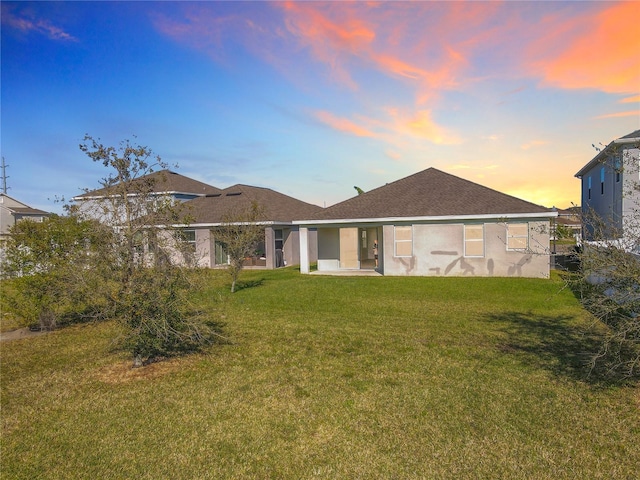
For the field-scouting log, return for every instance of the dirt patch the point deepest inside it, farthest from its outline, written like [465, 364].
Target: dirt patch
[20, 334]
[123, 372]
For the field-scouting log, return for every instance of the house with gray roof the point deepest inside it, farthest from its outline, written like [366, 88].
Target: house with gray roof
[12, 211]
[430, 224]
[160, 183]
[280, 245]
[610, 184]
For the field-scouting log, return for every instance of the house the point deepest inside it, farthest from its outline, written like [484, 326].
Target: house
[430, 223]
[12, 211]
[207, 207]
[160, 184]
[280, 245]
[610, 186]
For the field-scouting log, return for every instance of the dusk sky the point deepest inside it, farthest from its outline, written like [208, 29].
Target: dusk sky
[312, 98]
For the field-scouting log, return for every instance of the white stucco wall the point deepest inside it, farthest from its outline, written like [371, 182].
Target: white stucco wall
[438, 250]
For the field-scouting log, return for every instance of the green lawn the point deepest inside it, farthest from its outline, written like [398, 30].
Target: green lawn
[331, 377]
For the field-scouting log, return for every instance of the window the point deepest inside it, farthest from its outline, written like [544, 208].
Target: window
[474, 240]
[188, 237]
[279, 239]
[589, 186]
[602, 181]
[517, 236]
[403, 237]
[221, 257]
[617, 165]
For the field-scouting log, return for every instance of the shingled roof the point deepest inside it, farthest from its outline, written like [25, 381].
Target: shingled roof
[429, 193]
[278, 207]
[165, 181]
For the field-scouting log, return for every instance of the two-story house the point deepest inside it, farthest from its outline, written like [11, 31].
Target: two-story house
[611, 193]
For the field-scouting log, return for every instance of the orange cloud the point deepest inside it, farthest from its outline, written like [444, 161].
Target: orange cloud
[604, 55]
[634, 99]
[422, 125]
[343, 125]
[630, 113]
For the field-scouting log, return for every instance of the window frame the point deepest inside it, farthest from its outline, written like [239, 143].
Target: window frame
[191, 243]
[512, 236]
[468, 241]
[402, 241]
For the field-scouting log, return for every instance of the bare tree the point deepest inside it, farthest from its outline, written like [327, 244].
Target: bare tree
[150, 284]
[240, 232]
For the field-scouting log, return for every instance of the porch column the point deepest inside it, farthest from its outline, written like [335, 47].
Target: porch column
[304, 250]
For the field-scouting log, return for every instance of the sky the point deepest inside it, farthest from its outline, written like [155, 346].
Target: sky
[313, 98]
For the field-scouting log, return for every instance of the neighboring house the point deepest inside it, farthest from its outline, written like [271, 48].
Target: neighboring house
[611, 193]
[571, 221]
[281, 242]
[12, 211]
[163, 184]
[431, 223]
[207, 206]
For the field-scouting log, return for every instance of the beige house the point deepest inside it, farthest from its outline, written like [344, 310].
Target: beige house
[207, 206]
[281, 243]
[430, 224]
[12, 211]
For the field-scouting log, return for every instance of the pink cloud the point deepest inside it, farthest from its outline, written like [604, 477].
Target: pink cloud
[343, 124]
[26, 23]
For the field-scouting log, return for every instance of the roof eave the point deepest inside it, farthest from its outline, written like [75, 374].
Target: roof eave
[439, 218]
[605, 151]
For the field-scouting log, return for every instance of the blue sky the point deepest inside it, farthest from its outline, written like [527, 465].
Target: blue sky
[312, 98]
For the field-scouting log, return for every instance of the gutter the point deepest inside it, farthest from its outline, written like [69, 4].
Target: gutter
[445, 218]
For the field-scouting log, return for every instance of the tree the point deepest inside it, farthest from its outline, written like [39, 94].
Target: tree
[52, 265]
[150, 284]
[240, 232]
[609, 278]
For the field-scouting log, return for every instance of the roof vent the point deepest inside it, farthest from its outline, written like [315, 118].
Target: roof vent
[233, 194]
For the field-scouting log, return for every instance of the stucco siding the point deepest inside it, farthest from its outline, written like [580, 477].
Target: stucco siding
[328, 248]
[438, 250]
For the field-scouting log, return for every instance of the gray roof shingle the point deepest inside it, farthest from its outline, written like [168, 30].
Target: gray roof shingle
[429, 193]
[278, 207]
[165, 181]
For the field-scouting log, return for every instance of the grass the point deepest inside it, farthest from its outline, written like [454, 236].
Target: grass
[331, 377]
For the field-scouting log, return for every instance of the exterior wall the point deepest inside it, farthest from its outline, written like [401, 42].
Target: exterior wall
[7, 220]
[204, 248]
[631, 198]
[292, 245]
[328, 249]
[438, 250]
[619, 198]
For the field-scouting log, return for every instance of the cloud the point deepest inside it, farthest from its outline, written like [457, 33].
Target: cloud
[25, 23]
[343, 124]
[602, 51]
[634, 99]
[630, 113]
[393, 155]
[420, 124]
